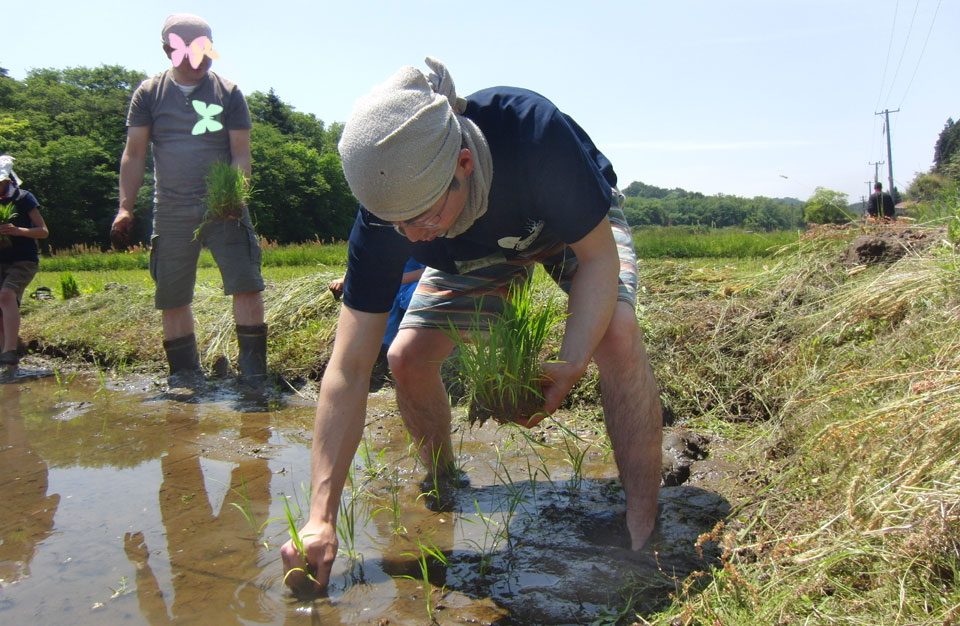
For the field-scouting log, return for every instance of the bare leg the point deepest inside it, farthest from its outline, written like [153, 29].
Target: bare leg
[634, 418]
[415, 358]
[177, 322]
[10, 319]
[248, 308]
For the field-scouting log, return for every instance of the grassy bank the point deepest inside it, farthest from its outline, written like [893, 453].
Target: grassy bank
[838, 388]
[835, 388]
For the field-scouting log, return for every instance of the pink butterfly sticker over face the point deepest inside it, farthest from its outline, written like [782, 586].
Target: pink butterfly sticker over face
[198, 48]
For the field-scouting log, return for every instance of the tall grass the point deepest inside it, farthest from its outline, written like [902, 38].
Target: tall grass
[661, 242]
[90, 258]
[685, 242]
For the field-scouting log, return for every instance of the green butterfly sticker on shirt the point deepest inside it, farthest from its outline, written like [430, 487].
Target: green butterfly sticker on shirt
[206, 122]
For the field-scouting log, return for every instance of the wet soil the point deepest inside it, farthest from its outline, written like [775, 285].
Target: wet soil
[124, 503]
[888, 245]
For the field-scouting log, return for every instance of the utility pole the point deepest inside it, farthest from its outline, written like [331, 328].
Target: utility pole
[876, 171]
[886, 116]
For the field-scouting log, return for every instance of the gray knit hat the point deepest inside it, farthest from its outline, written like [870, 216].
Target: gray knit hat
[400, 145]
[187, 26]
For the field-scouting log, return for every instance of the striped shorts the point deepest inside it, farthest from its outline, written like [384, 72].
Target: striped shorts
[463, 300]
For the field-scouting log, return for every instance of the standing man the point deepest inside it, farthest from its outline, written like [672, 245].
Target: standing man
[480, 190]
[192, 118]
[880, 204]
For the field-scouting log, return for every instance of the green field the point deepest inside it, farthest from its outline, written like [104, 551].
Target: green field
[834, 390]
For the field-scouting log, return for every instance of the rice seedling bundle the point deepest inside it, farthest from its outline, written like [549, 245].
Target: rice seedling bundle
[499, 362]
[228, 192]
[7, 213]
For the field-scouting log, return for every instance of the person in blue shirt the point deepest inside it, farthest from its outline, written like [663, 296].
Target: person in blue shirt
[19, 257]
[480, 190]
[412, 271]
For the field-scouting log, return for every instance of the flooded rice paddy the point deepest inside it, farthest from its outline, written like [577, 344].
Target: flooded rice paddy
[125, 505]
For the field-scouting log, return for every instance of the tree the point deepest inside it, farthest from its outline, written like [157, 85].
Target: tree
[947, 147]
[299, 195]
[826, 206]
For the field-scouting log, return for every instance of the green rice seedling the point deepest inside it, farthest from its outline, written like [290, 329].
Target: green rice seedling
[7, 213]
[228, 192]
[68, 286]
[347, 521]
[244, 507]
[374, 464]
[575, 454]
[535, 446]
[297, 541]
[123, 588]
[493, 535]
[427, 551]
[499, 361]
[516, 494]
[394, 509]
[63, 380]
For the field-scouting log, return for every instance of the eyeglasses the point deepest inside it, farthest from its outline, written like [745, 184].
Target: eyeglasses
[422, 221]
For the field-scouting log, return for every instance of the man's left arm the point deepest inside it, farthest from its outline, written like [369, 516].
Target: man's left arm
[593, 296]
[240, 150]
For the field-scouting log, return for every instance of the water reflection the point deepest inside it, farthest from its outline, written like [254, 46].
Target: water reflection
[211, 551]
[26, 509]
[120, 506]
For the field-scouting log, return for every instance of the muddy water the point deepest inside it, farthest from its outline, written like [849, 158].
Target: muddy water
[121, 504]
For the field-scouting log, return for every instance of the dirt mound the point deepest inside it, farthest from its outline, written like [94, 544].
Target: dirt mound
[886, 246]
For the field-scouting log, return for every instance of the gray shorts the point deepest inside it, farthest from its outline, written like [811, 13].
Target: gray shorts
[443, 299]
[174, 252]
[17, 275]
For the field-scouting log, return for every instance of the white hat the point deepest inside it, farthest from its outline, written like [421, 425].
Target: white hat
[6, 169]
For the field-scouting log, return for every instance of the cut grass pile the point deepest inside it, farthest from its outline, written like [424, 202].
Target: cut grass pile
[839, 387]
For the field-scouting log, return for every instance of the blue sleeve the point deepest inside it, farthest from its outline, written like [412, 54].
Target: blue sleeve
[375, 262]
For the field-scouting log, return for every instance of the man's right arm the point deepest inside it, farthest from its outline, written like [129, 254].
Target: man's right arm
[132, 164]
[338, 428]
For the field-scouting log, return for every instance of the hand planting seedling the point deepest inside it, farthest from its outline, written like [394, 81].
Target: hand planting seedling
[228, 192]
[500, 364]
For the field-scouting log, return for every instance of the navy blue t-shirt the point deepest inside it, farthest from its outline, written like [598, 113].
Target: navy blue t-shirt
[549, 181]
[21, 248]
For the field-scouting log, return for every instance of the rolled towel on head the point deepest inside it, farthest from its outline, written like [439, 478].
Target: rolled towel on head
[400, 146]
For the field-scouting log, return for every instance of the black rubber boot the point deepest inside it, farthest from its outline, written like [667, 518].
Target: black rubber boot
[184, 362]
[9, 360]
[252, 361]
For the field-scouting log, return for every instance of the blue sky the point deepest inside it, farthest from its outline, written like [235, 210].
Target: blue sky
[765, 97]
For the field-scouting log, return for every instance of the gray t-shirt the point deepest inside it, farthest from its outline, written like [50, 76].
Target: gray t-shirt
[181, 159]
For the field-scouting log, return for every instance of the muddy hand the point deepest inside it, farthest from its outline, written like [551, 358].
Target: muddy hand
[120, 229]
[320, 548]
[336, 288]
[556, 381]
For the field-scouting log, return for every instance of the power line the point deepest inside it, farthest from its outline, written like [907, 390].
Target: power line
[922, 50]
[903, 52]
[886, 64]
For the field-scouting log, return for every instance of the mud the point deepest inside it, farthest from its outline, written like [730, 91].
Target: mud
[127, 504]
[887, 246]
